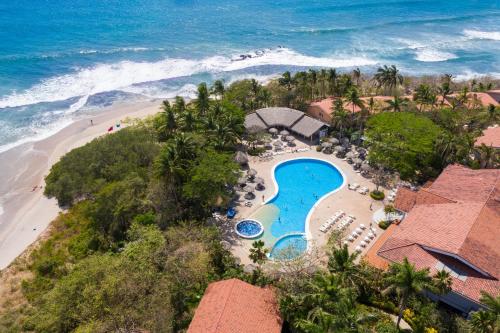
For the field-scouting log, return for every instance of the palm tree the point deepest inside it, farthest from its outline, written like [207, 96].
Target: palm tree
[493, 305]
[482, 322]
[352, 96]
[405, 280]
[313, 80]
[424, 96]
[179, 105]
[371, 104]
[342, 263]
[258, 252]
[202, 100]
[218, 89]
[286, 80]
[446, 148]
[323, 77]
[396, 104]
[444, 90]
[332, 77]
[487, 320]
[340, 118]
[442, 282]
[488, 156]
[356, 75]
[169, 122]
[388, 77]
[188, 120]
[265, 97]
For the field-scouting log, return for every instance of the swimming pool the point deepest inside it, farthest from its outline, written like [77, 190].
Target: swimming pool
[300, 184]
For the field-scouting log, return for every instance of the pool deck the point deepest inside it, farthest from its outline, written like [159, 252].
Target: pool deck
[351, 202]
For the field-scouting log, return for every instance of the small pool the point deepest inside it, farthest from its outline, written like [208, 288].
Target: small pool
[289, 247]
[249, 228]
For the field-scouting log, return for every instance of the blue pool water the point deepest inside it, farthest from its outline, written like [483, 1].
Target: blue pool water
[301, 183]
[59, 59]
[289, 247]
[249, 228]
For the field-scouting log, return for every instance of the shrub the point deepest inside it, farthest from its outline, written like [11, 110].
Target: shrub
[256, 151]
[389, 209]
[384, 224]
[318, 148]
[377, 195]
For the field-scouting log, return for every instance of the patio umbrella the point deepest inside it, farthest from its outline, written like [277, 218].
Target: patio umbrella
[259, 180]
[350, 155]
[248, 189]
[277, 143]
[242, 180]
[366, 167]
[251, 173]
[357, 161]
[334, 141]
[273, 130]
[226, 245]
[241, 158]
[290, 138]
[284, 133]
[339, 149]
[326, 145]
[344, 141]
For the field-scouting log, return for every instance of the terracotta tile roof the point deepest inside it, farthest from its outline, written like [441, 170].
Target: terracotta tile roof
[371, 255]
[232, 306]
[459, 215]
[405, 199]
[490, 137]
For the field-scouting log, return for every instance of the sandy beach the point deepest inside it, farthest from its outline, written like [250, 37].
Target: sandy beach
[24, 211]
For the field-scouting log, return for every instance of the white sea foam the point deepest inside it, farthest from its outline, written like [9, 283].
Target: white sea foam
[478, 34]
[118, 76]
[433, 55]
[469, 75]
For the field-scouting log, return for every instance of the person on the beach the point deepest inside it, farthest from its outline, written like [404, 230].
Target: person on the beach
[91, 122]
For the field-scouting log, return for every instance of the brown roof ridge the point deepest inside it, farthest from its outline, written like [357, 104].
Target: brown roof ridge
[397, 247]
[298, 119]
[258, 115]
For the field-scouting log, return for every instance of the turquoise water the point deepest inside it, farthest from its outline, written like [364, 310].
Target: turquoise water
[289, 247]
[301, 183]
[64, 58]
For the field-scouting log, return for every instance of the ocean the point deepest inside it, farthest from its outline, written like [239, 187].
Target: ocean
[63, 59]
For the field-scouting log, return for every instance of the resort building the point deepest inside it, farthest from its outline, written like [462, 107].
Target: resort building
[231, 306]
[285, 118]
[323, 109]
[453, 224]
[490, 137]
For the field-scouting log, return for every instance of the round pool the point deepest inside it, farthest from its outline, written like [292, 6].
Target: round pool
[249, 228]
[289, 247]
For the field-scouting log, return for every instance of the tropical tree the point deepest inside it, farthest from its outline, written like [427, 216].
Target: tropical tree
[441, 282]
[487, 320]
[356, 75]
[397, 104]
[352, 96]
[218, 89]
[169, 124]
[424, 96]
[202, 99]
[176, 156]
[258, 252]
[332, 77]
[342, 263]
[340, 118]
[405, 281]
[488, 156]
[388, 77]
[286, 80]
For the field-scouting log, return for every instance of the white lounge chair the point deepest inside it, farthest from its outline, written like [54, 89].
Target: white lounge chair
[363, 190]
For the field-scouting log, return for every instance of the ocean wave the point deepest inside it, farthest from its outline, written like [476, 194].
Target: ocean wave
[478, 34]
[433, 55]
[118, 76]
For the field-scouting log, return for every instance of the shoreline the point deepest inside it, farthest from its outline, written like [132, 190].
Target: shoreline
[24, 211]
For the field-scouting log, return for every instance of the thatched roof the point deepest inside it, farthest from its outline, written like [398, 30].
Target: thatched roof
[253, 122]
[279, 116]
[307, 126]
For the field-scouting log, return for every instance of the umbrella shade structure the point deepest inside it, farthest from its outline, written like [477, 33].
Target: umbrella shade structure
[226, 245]
[366, 167]
[358, 248]
[334, 141]
[273, 130]
[358, 231]
[242, 181]
[259, 180]
[284, 133]
[326, 145]
[357, 161]
[290, 138]
[362, 226]
[345, 141]
[241, 158]
[362, 243]
[251, 173]
[277, 143]
[350, 155]
[248, 189]
[339, 149]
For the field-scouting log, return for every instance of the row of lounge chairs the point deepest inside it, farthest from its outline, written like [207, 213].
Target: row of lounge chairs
[360, 189]
[341, 217]
[269, 155]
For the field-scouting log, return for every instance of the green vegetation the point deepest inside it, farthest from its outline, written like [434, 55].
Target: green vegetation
[135, 249]
[377, 195]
